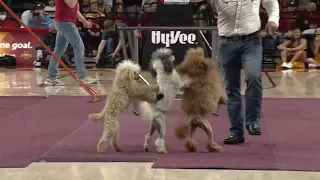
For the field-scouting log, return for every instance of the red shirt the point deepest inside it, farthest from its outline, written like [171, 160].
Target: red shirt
[64, 13]
[7, 23]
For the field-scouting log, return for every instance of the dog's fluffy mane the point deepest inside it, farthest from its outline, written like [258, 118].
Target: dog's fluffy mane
[125, 72]
[161, 60]
[206, 88]
[195, 64]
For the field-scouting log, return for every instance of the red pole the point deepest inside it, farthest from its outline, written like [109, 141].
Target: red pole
[91, 92]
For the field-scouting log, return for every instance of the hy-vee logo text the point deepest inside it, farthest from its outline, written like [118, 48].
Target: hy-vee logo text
[172, 37]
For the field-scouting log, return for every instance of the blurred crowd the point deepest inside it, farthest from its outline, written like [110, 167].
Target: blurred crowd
[295, 15]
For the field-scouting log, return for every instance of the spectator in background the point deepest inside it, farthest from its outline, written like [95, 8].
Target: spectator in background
[107, 13]
[4, 21]
[131, 7]
[101, 3]
[153, 7]
[93, 36]
[50, 8]
[146, 17]
[107, 10]
[120, 15]
[38, 19]
[294, 50]
[50, 38]
[145, 8]
[110, 39]
[314, 47]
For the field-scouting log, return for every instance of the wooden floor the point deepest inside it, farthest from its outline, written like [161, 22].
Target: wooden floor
[25, 83]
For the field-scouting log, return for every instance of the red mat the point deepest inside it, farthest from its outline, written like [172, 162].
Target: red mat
[28, 133]
[12, 104]
[57, 130]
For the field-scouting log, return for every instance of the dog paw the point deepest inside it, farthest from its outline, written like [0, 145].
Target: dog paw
[118, 149]
[191, 145]
[146, 147]
[160, 96]
[135, 112]
[162, 151]
[212, 147]
[100, 148]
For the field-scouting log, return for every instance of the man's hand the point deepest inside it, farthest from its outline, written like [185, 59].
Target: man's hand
[271, 28]
[97, 59]
[113, 55]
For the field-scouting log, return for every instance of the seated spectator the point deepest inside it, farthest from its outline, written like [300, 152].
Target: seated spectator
[311, 18]
[107, 13]
[4, 21]
[120, 16]
[38, 19]
[50, 39]
[145, 8]
[110, 43]
[25, 16]
[101, 6]
[314, 47]
[146, 16]
[153, 7]
[93, 35]
[50, 8]
[294, 50]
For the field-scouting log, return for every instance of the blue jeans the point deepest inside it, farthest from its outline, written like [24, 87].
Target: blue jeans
[234, 55]
[67, 32]
[109, 46]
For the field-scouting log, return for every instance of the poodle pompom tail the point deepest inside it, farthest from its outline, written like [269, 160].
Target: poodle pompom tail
[145, 111]
[182, 131]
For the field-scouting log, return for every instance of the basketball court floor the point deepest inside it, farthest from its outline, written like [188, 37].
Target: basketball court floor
[286, 84]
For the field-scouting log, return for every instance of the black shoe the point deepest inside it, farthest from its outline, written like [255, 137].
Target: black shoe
[254, 129]
[234, 140]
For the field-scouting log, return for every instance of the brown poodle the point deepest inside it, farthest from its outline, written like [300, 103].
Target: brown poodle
[125, 89]
[201, 97]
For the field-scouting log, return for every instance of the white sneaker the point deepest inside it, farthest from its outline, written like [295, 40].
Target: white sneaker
[88, 80]
[284, 65]
[50, 82]
[312, 65]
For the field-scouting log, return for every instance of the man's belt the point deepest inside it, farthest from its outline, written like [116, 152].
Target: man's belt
[238, 37]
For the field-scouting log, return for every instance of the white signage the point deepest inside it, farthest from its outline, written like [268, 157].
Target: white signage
[172, 37]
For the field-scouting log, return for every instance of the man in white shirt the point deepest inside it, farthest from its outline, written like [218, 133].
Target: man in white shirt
[238, 26]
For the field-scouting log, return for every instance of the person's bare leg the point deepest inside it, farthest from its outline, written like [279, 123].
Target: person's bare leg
[297, 55]
[284, 55]
[312, 61]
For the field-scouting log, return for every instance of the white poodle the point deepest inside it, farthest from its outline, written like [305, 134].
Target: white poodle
[170, 83]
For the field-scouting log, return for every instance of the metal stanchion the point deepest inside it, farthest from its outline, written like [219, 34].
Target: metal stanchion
[124, 50]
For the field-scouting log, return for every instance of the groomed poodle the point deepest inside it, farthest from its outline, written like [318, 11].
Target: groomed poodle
[163, 70]
[125, 89]
[202, 96]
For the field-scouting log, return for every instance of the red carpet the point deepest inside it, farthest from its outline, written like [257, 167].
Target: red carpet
[57, 130]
